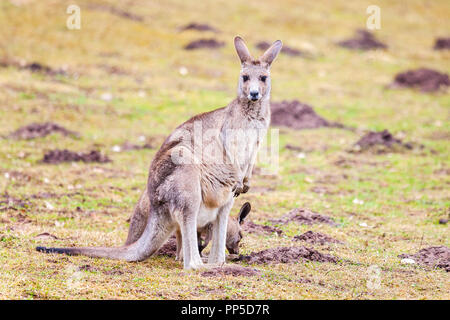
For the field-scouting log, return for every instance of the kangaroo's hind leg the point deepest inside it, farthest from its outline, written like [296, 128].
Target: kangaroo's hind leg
[219, 233]
[185, 198]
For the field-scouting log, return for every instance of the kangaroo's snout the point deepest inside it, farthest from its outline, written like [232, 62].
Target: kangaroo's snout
[254, 95]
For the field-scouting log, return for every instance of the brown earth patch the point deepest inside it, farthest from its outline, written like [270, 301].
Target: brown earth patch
[442, 44]
[33, 67]
[198, 27]
[434, 257]
[39, 130]
[363, 40]
[59, 156]
[304, 216]
[169, 248]
[287, 255]
[426, 80]
[293, 148]
[316, 238]
[264, 45]
[297, 115]
[231, 270]
[251, 227]
[380, 142]
[204, 44]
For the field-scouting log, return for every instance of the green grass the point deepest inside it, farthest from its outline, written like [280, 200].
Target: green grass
[404, 194]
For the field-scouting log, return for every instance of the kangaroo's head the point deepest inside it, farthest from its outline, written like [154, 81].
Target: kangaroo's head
[234, 233]
[254, 79]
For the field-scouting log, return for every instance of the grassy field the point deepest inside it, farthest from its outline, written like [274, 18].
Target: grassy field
[122, 81]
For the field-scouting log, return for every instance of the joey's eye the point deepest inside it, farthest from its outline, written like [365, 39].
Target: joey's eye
[245, 78]
[263, 78]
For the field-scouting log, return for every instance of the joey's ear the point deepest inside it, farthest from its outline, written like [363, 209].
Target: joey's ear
[245, 210]
[272, 52]
[242, 50]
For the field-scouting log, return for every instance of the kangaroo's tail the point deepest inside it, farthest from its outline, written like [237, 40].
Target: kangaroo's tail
[155, 234]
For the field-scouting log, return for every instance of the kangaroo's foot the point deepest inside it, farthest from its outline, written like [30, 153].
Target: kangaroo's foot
[194, 264]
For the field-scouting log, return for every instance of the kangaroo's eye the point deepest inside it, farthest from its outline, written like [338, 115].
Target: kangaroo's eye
[263, 78]
[245, 78]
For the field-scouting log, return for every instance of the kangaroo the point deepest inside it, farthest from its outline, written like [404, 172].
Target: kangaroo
[194, 178]
[204, 234]
[234, 232]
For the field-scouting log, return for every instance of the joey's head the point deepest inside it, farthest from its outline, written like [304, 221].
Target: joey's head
[234, 232]
[254, 78]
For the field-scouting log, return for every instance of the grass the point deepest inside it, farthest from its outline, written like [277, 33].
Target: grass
[404, 194]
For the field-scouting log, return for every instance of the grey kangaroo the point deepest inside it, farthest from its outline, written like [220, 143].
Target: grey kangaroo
[204, 234]
[192, 183]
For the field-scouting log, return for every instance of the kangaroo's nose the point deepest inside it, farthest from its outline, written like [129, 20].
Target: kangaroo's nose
[254, 95]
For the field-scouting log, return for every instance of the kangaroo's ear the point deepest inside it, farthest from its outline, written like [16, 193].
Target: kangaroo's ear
[242, 50]
[245, 210]
[272, 52]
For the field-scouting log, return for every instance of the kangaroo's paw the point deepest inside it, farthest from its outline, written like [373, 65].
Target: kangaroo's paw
[237, 189]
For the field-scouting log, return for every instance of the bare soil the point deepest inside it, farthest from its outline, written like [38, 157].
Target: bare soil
[316, 238]
[39, 130]
[435, 257]
[381, 141]
[169, 249]
[251, 227]
[287, 255]
[297, 115]
[442, 44]
[423, 79]
[304, 216]
[58, 156]
[204, 44]
[363, 40]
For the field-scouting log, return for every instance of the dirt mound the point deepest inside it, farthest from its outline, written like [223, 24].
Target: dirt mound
[33, 67]
[198, 27]
[363, 40]
[435, 257]
[204, 44]
[169, 248]
[316, 238]
[39, 130]
[263, 45]
[251, 227]
[231, 270]
[442, 44]
[380, 142]
[58, 156]
[304, 216]
[297, 115]
[427, 80]
[287, 255]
